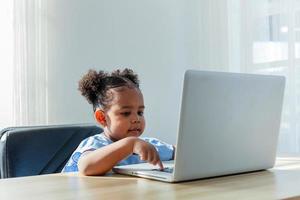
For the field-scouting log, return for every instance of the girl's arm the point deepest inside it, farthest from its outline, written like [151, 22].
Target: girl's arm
[102, 160]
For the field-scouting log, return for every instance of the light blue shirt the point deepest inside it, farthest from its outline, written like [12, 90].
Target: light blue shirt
[164, 150]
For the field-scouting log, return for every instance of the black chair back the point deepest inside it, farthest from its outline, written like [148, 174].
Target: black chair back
[35, 150]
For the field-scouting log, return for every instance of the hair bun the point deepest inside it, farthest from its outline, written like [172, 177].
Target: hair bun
[94, 85]
[91, 83]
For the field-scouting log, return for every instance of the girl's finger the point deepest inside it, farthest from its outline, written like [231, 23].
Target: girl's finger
[144, 155]
[151, 157]
[161, 167]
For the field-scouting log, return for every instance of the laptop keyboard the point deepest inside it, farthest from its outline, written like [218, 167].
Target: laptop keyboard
[166, 169]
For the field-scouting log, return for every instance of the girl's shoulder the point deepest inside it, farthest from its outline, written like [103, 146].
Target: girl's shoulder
[96, 139]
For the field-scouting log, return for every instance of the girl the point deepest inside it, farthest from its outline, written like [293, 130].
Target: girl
[119, 108]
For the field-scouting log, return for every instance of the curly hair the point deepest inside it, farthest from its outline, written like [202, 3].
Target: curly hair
[94, 85]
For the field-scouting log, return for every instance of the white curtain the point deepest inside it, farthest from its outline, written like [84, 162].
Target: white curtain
[6, 63]
[266, 39]
[30, 63]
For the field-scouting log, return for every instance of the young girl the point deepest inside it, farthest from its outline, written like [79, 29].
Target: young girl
[119, 108]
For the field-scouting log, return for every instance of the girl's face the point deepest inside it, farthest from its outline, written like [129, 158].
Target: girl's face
[125, 115]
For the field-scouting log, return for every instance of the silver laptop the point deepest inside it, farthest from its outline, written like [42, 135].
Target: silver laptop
[229, 123]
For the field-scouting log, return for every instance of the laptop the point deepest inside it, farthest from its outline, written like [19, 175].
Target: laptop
[229, 124]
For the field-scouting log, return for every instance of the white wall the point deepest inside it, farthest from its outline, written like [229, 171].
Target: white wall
[158, 39]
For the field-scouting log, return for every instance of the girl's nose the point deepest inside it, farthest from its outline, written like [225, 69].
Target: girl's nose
[135, 120]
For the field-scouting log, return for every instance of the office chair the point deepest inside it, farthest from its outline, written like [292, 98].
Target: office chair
[36, 150]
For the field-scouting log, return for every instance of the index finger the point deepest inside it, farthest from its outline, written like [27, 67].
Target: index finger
[161, 167]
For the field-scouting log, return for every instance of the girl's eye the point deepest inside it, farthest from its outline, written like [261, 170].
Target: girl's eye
[126, 113]
[140, 113]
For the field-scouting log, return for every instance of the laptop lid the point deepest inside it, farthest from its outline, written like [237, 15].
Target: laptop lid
[229, 123]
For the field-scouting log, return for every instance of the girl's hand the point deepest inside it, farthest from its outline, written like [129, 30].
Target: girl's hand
[147, 152]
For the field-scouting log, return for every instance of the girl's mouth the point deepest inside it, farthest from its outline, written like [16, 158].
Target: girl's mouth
[135, 130]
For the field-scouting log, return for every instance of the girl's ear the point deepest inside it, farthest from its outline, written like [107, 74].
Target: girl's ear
[100, 117]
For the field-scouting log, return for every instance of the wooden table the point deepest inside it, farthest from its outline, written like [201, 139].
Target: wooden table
[283, 181]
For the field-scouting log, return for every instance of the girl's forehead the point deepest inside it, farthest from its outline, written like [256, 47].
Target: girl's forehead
[126, 95]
